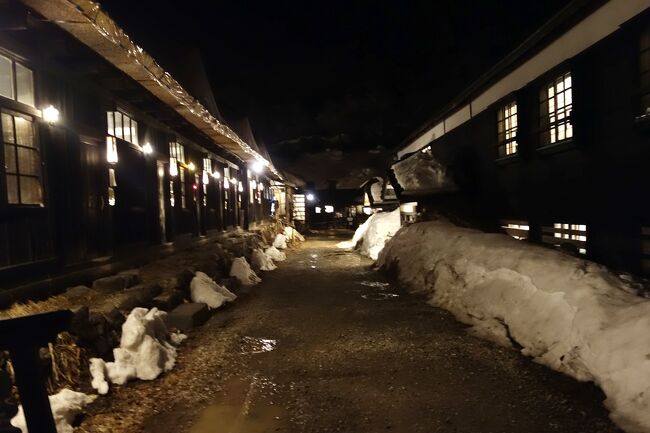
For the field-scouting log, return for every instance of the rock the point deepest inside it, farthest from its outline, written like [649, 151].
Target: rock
[114, 283]
[80, 324]
[187, 316]
[140, 296]
[168, 300]
[183, 279]
[115, 319]
[78, 291]
[230, 283]
[131, 277]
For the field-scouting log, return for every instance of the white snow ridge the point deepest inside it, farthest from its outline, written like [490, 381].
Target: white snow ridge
[241, 270]
[374, 233]
[145, 351]
[262, 261]
[66, 405]
[280, 242]
[567, 313]
[204, 289]
[275, 254]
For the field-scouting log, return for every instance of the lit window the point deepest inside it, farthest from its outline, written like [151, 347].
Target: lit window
[122, 126]
[567, 234]
[556, 103]
[317, 209]
[207, 171]
[644, 63]
[177, 151]
[181, 171]
[517, 229]
[22, 160]
[329, 209]
[299, 207]
[16, 81]
[507, 130]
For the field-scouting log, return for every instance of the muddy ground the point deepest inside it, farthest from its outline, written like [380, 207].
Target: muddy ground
[326, 344]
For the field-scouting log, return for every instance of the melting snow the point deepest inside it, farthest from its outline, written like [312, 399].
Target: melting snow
[241, 270]
[66, 405]
[374, 233]
[204, 289]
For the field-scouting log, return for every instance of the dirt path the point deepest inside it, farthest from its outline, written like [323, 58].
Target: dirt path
[325, 344]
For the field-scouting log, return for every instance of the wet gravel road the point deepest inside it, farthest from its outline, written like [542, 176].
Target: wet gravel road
[325, 344]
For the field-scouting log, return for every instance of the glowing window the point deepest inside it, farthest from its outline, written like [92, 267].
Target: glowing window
[22, 159]
[177, 151]
[16, 81]
[556, 102]
[567, 234]
[317, 209]
[329, 209]
[507, 129]
[122, 126]
[517, 229]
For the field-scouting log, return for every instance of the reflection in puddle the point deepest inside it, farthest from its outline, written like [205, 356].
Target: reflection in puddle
[313, 256]
[380, 296]
[246, 408]
[374, 284]
[256, 345]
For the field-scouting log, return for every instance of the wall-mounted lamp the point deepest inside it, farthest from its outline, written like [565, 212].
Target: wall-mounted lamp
[257, 167]
[147, 149]
[50, 114]
[310, 197]
[216, 175]
[191, 166]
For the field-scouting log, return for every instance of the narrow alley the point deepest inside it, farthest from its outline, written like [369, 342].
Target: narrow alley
[327, 344]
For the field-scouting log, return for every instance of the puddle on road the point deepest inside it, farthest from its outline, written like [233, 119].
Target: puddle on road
[380, 296]
[252, 345]
[247, 407]
[377, 284]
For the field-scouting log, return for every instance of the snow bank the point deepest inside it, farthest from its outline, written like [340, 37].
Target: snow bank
[568, 314]
[145, 351]
[374, 233]
[275, 254]
[293, 235]
[66, 405]
[241, 270]
[204, 289]
[422, 171]
[280, 241]
[261, 261]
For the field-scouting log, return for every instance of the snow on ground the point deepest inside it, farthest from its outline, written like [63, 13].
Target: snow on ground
[261, 261]
[280, 242]
[275, 254]
[241, 270]
[374, 233]
[567, 313]
[293, 235]
[204, 289]
[66, 405]
[422, 171]
[145, 351]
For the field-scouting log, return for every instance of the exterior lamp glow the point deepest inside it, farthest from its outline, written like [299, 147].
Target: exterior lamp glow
[216, 175]
[310, 197]
[173, 167]
[51, 114]
[147, 149]
[206, 179]
[257, 167]
[191, 166]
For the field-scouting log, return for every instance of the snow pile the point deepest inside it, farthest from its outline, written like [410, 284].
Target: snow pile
[293, 235]
[145, 351]
[241, 270]
[568, 314]
[204, 289]
[66, 405]
[423, 172]
[376, 189]
[280, 242]
[374, 233]
[275, 254]
[261, 261]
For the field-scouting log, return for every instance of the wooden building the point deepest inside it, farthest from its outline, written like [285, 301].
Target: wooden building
[104, 153]
[553, 143]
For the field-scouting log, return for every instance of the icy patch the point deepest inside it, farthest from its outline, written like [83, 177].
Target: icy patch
[257, 345]
[569, 314]
[379, 296]
[293, 235]
[66, 405]
[374, 233]
[280, 242]
[377, 284]
[261, 261]
[204, 289]
[241, 270]
[145, 351]
[275, 254]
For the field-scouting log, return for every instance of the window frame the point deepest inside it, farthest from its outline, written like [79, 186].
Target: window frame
[504, 140]
[131, 121]
[547, 127]
[29, 108]
[35, 147]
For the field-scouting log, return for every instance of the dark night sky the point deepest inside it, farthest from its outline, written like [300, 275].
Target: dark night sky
[324, 83]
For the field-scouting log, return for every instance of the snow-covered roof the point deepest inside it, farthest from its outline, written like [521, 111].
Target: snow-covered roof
[87, 22]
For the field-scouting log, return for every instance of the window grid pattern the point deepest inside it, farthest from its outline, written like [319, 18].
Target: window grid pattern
[122, 126]
[181, 172]
[177, 151]
[644, 63]
[507, 129]
[16, 81]
[22, 160]
[556, 103]
[563, 234]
